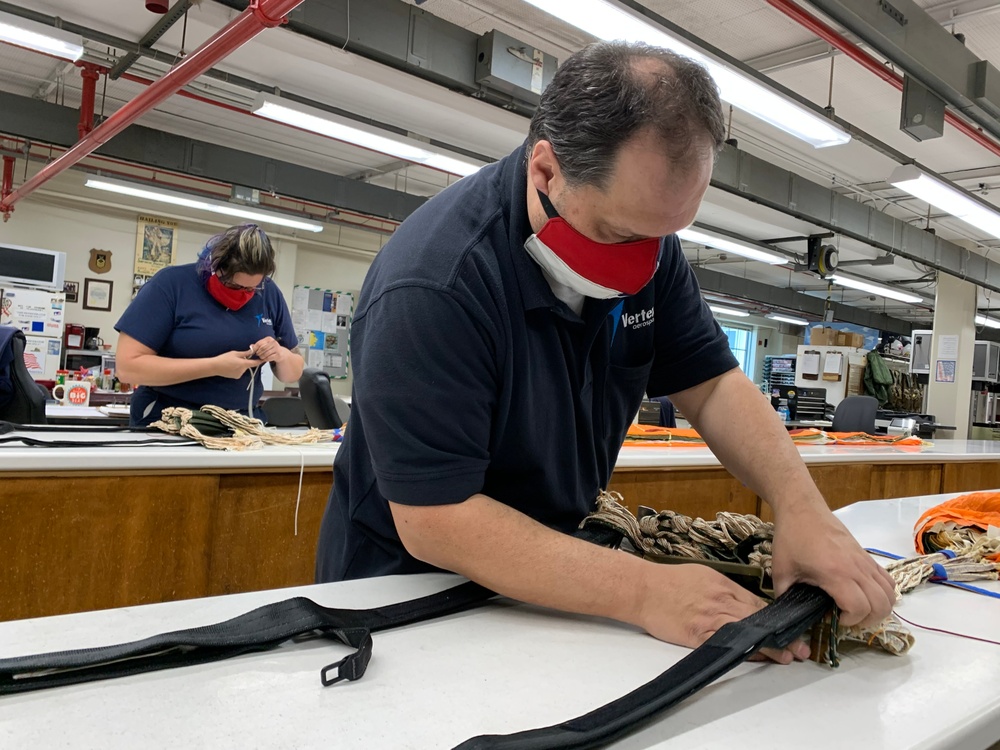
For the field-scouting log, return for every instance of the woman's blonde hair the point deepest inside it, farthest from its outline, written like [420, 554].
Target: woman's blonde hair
[241, 249]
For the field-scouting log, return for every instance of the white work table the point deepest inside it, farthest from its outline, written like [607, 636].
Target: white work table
[507, 667]
[182, 457]
[15, 458]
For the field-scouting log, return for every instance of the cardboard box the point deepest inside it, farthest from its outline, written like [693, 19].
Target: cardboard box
[840, 338]
[820, 336]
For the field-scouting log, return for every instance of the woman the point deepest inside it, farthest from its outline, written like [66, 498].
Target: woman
[197, 333]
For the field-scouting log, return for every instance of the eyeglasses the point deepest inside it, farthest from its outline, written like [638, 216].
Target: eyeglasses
[239, 288]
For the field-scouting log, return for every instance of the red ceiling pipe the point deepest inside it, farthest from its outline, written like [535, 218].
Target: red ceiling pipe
[90, 74]
[7, 184]
[260, 15]
[833, 37]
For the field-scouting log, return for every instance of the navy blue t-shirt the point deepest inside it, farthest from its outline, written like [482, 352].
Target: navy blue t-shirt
[470, 376]
[175, 316]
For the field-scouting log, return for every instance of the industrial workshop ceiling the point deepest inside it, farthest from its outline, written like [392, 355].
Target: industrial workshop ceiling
[345, 60]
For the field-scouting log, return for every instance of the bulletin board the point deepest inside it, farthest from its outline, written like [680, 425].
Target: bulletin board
[322, 320]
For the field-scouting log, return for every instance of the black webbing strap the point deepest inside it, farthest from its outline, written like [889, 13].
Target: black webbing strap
[775, 626]
[10, 434]
[258, 630]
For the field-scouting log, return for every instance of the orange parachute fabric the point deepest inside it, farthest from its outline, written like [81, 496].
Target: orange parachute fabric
[651, 435]
[977, 509]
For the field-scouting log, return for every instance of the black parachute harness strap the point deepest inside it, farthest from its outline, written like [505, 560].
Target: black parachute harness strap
[776, 626]
[258, 630]
[13, 433]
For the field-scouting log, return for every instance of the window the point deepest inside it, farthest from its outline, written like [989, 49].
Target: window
[741, 343]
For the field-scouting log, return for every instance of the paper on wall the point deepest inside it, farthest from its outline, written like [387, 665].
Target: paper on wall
[315, 320]
[330, 322]
[315, 358]
[334, 361]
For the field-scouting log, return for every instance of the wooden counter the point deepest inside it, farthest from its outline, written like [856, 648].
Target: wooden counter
[94, 528]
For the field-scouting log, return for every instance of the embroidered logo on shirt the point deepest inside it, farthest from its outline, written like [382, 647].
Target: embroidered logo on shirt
[638, 320]
[262, 319]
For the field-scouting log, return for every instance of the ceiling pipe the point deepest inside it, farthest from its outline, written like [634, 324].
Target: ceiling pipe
[833, 37]
[90, 74]
[260, 15]
[7, 183]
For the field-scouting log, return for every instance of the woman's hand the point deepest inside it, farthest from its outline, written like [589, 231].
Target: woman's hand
[234, 364]
[269, 350]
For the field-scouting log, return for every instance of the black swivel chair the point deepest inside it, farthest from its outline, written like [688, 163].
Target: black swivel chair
[317, 398]
[855, 414]
[26, 404]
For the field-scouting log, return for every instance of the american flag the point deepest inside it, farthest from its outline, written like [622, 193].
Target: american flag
[31, 361]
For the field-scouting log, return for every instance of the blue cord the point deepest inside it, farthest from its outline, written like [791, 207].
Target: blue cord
[943, 580]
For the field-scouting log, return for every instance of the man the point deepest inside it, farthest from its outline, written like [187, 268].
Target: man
[503, 342]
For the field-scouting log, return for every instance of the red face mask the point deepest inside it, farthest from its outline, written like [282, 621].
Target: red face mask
[231, 299]
[593, 269]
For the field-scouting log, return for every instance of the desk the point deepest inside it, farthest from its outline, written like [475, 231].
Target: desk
[113, 527]
[92, 528]
[507, 667]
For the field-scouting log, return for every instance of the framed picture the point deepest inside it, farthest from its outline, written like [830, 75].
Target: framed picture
[72, 290]
[155, 244]
[97, 294]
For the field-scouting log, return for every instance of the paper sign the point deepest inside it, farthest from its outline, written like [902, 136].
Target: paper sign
[948, 348]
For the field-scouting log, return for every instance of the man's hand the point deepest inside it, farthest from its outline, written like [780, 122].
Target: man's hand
[234, 364]
[686, 604]
[812, 545]
[269, 350]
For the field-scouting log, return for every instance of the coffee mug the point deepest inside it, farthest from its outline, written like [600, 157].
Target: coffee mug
[72, 393]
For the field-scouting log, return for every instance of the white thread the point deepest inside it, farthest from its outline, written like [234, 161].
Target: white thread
[298, 497]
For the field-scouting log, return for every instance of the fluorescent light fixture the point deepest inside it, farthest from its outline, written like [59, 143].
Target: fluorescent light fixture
[608, 20]
[786, 319]
[982, 320]
[877, 289]
[39, 37]
[692, 234]
[947, 197]
[324, 123]
[718, 310]
[203, 204]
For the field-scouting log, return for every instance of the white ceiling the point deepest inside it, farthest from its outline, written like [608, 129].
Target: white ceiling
[745, 29]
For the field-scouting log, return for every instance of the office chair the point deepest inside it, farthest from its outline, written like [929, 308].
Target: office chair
[284, 411]
[26, 404]
[317, 398]
[855, 414]
[668, 417]
[343, 409]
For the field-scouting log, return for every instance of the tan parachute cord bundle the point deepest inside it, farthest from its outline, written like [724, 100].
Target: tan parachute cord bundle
[668, 534]
[220, 429]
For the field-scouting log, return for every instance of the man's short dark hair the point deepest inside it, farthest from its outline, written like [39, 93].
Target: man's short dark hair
[603, 95]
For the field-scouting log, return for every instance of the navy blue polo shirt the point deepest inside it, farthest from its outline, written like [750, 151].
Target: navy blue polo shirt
[472, 377]
[175, 316]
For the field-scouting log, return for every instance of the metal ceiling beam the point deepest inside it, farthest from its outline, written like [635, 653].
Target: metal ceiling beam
[946, 14]
[50, 123]
[743, 174]
[380, 171]
[401, 36]
[789, 299]
[904, 33]
[150, 38]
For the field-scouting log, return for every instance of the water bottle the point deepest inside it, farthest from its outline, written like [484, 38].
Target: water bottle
[783, 413]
